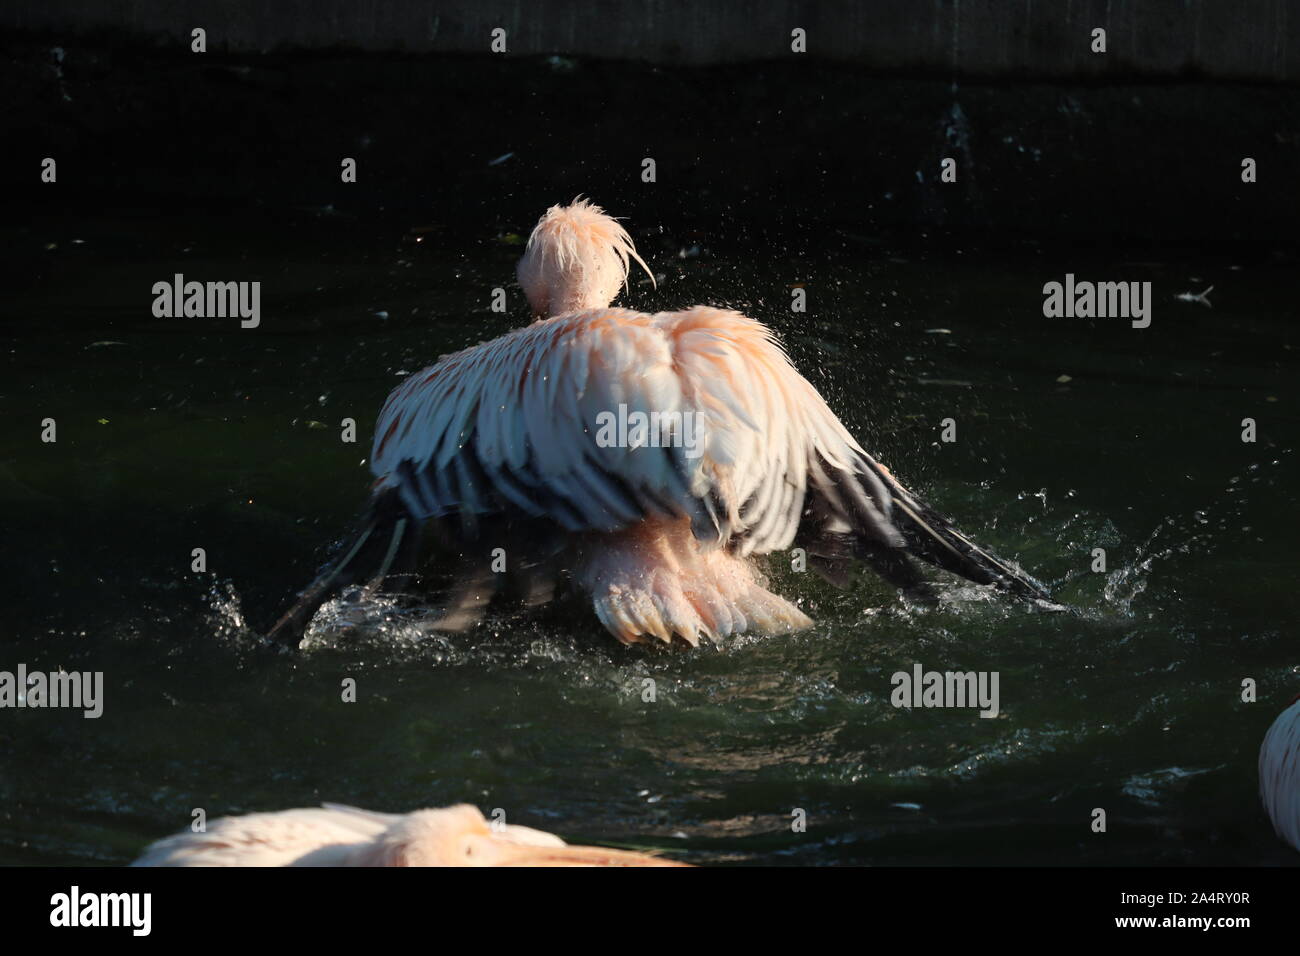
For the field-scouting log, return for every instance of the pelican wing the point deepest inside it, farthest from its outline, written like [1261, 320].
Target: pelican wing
[545, 421]
[319, 837]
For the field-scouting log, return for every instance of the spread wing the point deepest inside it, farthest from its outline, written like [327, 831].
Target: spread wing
[533, 422]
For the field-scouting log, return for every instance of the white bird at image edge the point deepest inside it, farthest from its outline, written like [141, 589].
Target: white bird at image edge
[335, 835]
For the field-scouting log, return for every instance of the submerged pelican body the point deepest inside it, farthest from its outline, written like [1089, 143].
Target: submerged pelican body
[1279, 774]
[334, 835]
[646, 458]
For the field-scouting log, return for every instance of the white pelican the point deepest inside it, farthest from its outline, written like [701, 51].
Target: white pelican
[508, 445]
[1279, 774]
[334, 835]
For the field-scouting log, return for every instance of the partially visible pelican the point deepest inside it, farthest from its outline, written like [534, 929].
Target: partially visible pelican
[1279, 774]
[334, 835]
[502, 446]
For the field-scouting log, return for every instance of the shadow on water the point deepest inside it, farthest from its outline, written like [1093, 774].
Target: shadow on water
[1073, 435]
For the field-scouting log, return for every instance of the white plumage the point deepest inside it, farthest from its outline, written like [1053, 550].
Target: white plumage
[501, 447]
[1279, 774]
[334, 835]
[521, 412]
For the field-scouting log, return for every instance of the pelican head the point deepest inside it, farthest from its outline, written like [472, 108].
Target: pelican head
[577, 258]
[460, 836]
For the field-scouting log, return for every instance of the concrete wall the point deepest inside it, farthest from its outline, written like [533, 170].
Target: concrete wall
[1230, 39]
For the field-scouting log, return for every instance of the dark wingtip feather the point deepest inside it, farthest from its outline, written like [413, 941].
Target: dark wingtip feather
[933, 538]
[387, 536]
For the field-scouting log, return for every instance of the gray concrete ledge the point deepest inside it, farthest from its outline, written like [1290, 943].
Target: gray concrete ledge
[1228, 39]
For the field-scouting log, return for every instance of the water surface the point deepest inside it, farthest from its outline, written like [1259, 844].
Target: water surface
[1072, 435]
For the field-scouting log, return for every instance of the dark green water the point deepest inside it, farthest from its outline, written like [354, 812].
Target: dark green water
[1130, 702]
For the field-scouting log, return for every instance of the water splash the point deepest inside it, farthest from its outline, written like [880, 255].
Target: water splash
[226, 614]
[1197, 532]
